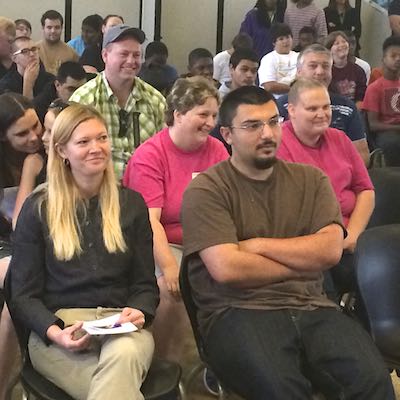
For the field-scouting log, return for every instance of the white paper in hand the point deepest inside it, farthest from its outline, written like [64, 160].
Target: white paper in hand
[108, 326]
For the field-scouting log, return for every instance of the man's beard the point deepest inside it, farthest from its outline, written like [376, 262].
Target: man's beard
[264, 163]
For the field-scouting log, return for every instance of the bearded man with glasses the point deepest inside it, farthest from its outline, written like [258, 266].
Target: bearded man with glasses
[257, 234]
[27, 76]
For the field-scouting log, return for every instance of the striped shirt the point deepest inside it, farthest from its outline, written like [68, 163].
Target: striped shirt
[310, 15]
[144, 115]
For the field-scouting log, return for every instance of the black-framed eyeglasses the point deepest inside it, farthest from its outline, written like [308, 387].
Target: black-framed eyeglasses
[26, 51]
[123, 122]
[59, 105]
[258, 126]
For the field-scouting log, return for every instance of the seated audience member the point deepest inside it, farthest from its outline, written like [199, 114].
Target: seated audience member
[381, 103]
[160, 170]
[307, 37]
[133, 110]
[52, 50]
[258, 22]
[278, 68]
[7, 36]
[307, 138]
[81, 209]
[155, 70]
[34, 168]
[23, 28]
[20, 133]
[341, 16]
[91, 58]
[348, 78]
[28, 75]
[315, 62]
[352, 54]
[70, 76]
[243, 66]
[221, 60]
[90, 34]
[258, 232]
[200, 62]
[305, 13]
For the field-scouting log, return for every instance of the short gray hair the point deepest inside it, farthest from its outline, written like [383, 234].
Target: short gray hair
[313, 48]
[300, 85]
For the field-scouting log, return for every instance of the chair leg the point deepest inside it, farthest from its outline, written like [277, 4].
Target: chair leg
[182, 391]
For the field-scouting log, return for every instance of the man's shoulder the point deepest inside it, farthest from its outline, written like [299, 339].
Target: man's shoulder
[213, 176]
[89, 90]
[339, 100]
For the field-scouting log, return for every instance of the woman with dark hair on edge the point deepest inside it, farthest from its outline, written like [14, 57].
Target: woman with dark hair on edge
[258, 21]
[20, 133]
[82, 251]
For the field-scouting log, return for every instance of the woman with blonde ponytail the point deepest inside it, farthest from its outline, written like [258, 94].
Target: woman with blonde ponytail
[83, 251]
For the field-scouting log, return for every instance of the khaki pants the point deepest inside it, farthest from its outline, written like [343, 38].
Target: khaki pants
[114, 366]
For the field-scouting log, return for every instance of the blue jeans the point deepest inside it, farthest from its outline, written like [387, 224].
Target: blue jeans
[284, 354]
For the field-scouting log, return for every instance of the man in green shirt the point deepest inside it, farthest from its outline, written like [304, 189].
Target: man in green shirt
[133, 109]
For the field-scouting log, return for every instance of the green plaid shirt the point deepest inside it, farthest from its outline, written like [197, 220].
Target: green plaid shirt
[144, 101]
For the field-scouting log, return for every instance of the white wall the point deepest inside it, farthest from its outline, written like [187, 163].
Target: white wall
[187, 24]
[31, 11]
[128, 9]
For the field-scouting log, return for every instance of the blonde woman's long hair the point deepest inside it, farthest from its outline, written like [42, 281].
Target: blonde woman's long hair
[63, 199]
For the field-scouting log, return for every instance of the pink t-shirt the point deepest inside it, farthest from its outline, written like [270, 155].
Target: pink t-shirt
[383, 97]
[337, 157]
[160, 171]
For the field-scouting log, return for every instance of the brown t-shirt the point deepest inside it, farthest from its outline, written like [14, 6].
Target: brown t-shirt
[222, 205]
[53, 55]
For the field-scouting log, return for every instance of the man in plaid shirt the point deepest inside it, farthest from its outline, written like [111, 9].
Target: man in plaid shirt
[133, 110]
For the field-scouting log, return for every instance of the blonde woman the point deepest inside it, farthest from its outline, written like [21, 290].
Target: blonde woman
[83, 251]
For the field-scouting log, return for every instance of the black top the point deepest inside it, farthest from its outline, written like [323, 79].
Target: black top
[42, 101]
[92, 56]
[3, 70]
[40, 284]
[394, 8]
[12, 81]
[351, 21]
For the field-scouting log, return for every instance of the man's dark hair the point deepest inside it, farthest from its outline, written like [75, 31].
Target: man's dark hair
[308, 29]
[72, 69]
[242, 54]
[112, 16]
[23, 21]
[51, 14]
[155, 48]
[95, 21]
[279, 30]
[198, 53]
[242, 41]
[252, 95]
[389, 42]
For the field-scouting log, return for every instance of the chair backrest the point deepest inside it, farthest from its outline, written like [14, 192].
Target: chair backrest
[387, 196]
[377, 263]
[191, 307]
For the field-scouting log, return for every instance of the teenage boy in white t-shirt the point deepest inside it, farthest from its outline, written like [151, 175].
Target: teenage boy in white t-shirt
[278, 68]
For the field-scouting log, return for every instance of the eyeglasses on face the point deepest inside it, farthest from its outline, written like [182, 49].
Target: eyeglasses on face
[26, 51]
[258, 126]
[58, 104]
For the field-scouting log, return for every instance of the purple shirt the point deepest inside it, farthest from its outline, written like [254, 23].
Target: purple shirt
[337, 157]
[261, 35]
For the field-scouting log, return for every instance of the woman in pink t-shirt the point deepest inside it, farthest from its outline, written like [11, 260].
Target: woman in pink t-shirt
[160, 169]
[307, 139]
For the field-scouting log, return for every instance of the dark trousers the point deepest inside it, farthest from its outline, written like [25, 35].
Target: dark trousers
[284, 354]
[389, 142]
